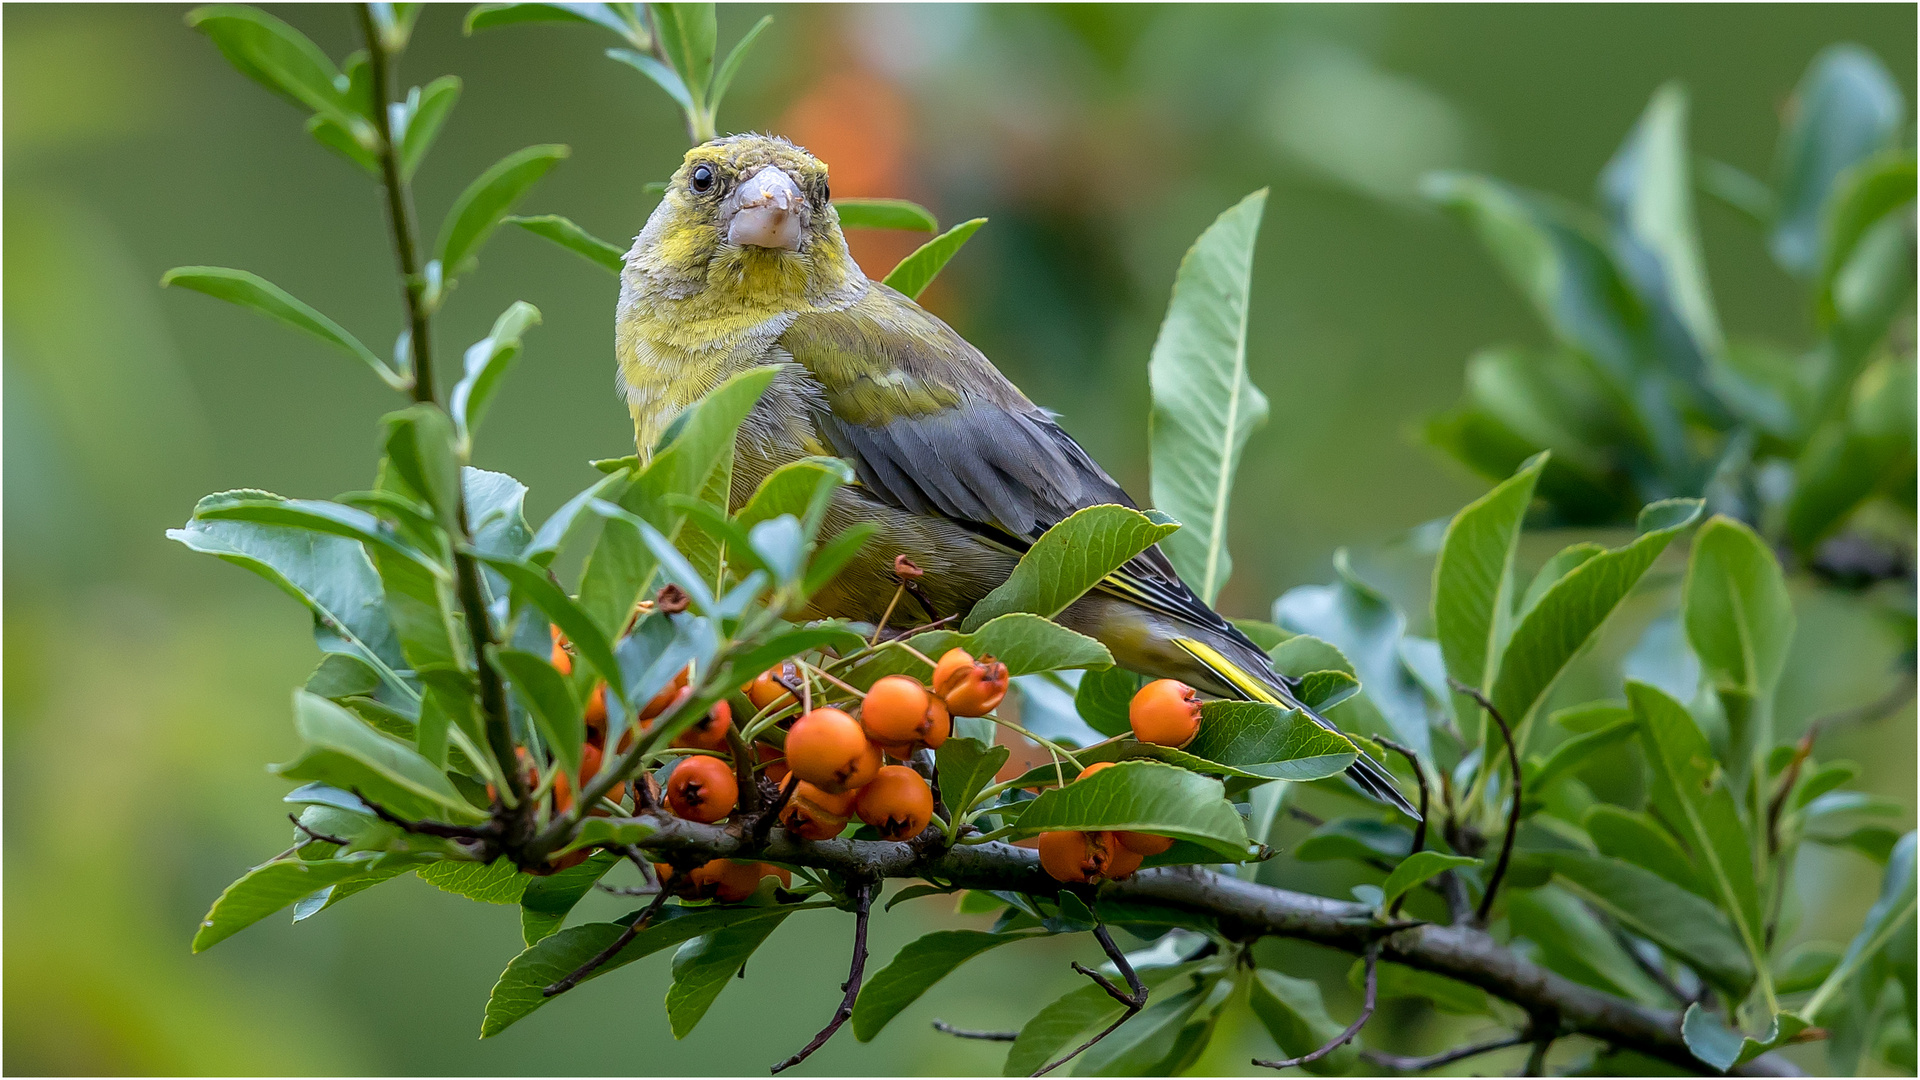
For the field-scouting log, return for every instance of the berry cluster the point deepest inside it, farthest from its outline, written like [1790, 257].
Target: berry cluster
[1165, 712]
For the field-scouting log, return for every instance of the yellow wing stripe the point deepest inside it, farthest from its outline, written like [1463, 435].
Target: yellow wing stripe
[1228, 670]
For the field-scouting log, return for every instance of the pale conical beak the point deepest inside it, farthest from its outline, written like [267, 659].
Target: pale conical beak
[771, 212]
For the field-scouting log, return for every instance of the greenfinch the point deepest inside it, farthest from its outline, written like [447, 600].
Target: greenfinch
[743, 264]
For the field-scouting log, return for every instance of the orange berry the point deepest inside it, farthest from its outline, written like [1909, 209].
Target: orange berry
[765, 689]
[828, 749]
[773, 761]
[897, 802]
[702, 789]
[596, 712]
[1112, 858]
[970, 687]
[1063, 855]
[721, 879]
[562, 659]
[1165, 712]
[666, 697]
[895, 709]
[710, 733]
[1093, 768]
[813, 814]
[1144, 843]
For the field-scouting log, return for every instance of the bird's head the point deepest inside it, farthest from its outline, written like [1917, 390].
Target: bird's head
[745, 221]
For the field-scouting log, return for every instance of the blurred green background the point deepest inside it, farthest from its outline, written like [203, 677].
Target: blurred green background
[145, 686]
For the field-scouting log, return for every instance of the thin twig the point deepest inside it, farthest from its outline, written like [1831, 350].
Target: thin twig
[1513, 812]
[1130, 1003]
[1434, 1061]
[968, 1033]
[743, 770]
[312, 835]
[1537, 1058]
[428, 828]
[863, 906]
[881, 627]
[1353, 1029]
[626, 937]
[763, 825]
[1420, 827]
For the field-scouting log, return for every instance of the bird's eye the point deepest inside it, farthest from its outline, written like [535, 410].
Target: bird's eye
[702, 179]
[826, 192]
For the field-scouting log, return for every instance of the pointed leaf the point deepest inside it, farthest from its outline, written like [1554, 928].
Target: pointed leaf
[479, 209]
[918, 270]
[663, 76]
[253, 291]
[736, 58]
[497, 882]
[705, 965]
[430, 112]
[1473, 580]
[564, 232]
[1069, 559]
[607, 16]
[277, 57]
[1293, 1013]
[1270, 741]
[1662, 912]
[1845, 109]
[965, 768]
[914, 970]
[547, 900]
[1143, 796]
[1204, 405]
[273, 886]
[341, 750]
[688, 36]
[885, 214]
[487, 362]
[550, 699]
[1415, 869]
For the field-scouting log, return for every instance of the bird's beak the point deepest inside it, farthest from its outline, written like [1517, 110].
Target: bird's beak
[771, 212]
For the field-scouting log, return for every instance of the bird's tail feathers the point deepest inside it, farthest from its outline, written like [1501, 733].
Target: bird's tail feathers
[1369, 774]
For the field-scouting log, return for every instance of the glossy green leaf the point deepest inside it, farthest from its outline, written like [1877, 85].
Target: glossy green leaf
[341, 750]
[1660, 911]
[736, 59]
[1867, 194]
[1571, 754]
[1103, 698]
[548, 899]
[1024, 642]
[335, 137]
[1362, 839]
[1069, 559]
[564, 232]
[1574, 607]
[1296, 1017]
[570, 521]
[1061, 1025]
[427, 110]
[1150, 1044]
[663, 76]
[1567, 938]
[1204, 405]
[1415, 869]
[487, 363]
[797, 488]
[1846, 108]
[1740, 622]
[1367, 628]
[1892, 911]
[1698, 805]
[917, 270]
[1473, 579]
[607, 16]
[1721, 1047]
[420, 449]
[966, 767]
[1852, 457]
[1638, 839]
[318, 516]
[1269, 741]
[885, 214]
[705, 965]
[530, 584]
[480, 208]
[517, 992]
[497, 882]
[790, 643]
[550, 700]
[914, 970]
[1143, 796]
[688, 38]
[277, 57]
[273, 886]
[252, 291]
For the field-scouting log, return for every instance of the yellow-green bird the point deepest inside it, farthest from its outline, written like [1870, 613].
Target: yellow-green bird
[743, 264]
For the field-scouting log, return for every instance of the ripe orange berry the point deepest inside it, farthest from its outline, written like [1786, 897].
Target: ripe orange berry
[665, 698]
[773, 761]
[702, 789]
[562, 659]
[813, 814]
[710, 733]
[722, 879]
[765, 689]
[895, 709]
[897, 802]
[596, 713]
[1112, 858]
[1142, 843]
[1063, 855]
[827, 749]
[969, 687]
[1165, 712]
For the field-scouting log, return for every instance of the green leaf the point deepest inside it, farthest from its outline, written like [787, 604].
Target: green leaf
[517, 992]
[705, 965]
[343, 751]
[1367, 628]
[1573, 753]
[1400, 981]
[1143, 796]
[1026, 643]
[270, 887]
[530, 583]
[966, 767]
[1069, 559]
[487, 362]
[599, 831]
[663, 76]
[318, 516]
[564, 232]
[608, 16]
[1740, 622]
[1151, 1043]
[497, 882]
[1054, 1029]
[1846, 108]
[885, 214]
[1569, 613]
[1714, 1043]
[688, 38]
[703, 441]
[1269, 741]
[1415, 869]
[279, 58]
[263, 296]
[1362, 839]
[569, 521]
[547, 899]
[550, 699]
[420, 448]
[790, 643]
[1569, 939]
[1850, 458]
[1473, 580]
[1638, 839]
[480, 208]
[1293, 1013]
[917, 270]
[1104, 697]
[427, 110]
[736, 58]
[1893, 910]
[1867, 194]
[1660, 911]
[1204, 405]
[333, 136]
[796, 488]
[1697, 804]
[914, 970]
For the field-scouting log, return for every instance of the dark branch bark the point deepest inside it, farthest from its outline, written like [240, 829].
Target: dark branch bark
[968, 1033]
[1396, 1063]
[863, 901]
[1130, 1003]
[1464, 953]
[592, 965]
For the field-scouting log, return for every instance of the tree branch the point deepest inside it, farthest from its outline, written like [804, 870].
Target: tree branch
[1464, 953]
[968, 1033]
[863, 907]
[1513, 812]
[1396, 1063]
[1130, 1003]
[1353, 1029]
